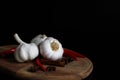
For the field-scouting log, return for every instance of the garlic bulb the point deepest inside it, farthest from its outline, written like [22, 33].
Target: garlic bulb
[25, 52]
[38, 39]
[51, 49]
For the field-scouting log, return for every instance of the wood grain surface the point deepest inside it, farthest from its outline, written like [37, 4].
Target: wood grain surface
[75, 70]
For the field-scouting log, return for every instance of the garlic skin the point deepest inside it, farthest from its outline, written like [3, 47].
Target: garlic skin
[38, 39]
[51, 49]
[25, 52]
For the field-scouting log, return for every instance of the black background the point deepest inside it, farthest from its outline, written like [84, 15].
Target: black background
[77, 25]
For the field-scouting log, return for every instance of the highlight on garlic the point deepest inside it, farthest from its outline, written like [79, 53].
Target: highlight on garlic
[25, 51]
[51, 49]
[38, 39]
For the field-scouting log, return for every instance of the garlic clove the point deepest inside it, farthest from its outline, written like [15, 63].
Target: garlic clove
[51, 49]
[38, 39]
[33, 51]
[17, 55]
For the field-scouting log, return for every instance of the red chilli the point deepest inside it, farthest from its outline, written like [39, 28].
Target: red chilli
[40, 64]
[70, 55]
[73, 53]
[9, 51]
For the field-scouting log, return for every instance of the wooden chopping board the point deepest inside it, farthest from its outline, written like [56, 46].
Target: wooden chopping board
[75, 70]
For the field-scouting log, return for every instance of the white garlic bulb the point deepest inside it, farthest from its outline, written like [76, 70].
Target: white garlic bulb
[25, 52]
[38, 39]
[51, 49]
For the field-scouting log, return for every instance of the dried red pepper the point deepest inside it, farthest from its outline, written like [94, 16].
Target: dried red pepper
[9, 51]
[38, 62]
[73, 54]
[70, 55]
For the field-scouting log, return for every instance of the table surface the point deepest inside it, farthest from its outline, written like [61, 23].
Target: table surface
[7, 77]
[86, 70]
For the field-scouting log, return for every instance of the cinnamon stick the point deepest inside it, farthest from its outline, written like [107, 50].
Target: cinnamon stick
[60, 63]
